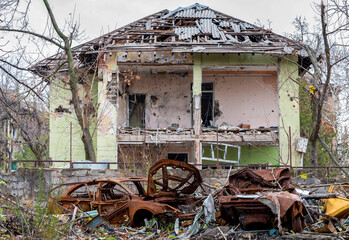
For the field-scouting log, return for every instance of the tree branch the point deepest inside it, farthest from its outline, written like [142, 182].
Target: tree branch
[22, 83]
[33, 34]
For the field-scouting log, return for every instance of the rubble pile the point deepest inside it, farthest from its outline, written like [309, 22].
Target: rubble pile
[174, 203]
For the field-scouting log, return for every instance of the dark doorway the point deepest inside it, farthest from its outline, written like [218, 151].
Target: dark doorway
[207, 109]
[136, 104]
[206, 104]
[182, 157]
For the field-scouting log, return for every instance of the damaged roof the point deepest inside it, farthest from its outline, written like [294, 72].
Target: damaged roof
[196, 28]
[192, 29]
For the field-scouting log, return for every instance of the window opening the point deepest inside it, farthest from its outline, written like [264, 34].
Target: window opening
[206, 104]
[136, 103]
[182, 157]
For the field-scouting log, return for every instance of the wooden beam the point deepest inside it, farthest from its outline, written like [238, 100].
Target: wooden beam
[197, 81]
[197, 153]
[236, 72]
[181, 138]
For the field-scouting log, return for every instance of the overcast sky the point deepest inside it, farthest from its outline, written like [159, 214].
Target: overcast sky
[101, 16]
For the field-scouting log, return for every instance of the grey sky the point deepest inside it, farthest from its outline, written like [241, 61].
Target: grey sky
[97, 16]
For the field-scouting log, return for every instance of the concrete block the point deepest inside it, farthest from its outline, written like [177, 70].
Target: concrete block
[68, 172]
[100, 171]
[81, 173]
[56, 181]
[19, 193]
[83, 179]
[95, 173]
[112, 172]
[56, 173]
[71, 180]
[19, 185]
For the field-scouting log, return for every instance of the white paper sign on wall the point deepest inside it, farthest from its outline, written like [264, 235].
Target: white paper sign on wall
[302, 144]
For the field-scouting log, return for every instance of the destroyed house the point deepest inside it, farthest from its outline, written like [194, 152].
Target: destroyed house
[192, 84]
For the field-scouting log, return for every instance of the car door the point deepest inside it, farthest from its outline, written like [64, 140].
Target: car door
[113, 202]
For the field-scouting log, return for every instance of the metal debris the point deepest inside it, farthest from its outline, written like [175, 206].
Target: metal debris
[164, 181]
[262, 199]
[254, 204]
[125, 201]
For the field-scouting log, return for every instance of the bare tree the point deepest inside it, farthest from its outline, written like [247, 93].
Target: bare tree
[327, 48]
[22, 117]
[61, 39]
[28, 121]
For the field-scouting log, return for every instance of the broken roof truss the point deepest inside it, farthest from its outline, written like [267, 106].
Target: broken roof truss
[196, 28]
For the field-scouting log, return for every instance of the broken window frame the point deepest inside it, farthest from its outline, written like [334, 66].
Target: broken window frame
[224, 160]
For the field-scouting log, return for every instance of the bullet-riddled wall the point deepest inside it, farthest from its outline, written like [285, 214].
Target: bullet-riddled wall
[237, 99]
[256, 100]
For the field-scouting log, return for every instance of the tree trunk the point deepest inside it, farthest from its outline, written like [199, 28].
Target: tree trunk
[83, 119]
[314, 136]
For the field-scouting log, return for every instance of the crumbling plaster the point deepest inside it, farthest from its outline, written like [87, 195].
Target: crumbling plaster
[168, 99]
[242, 99]
[246, 99]
[106, 144]
[158, 56]
[288, 92]
[60, 145]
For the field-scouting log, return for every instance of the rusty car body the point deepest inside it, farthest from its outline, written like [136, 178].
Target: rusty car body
[125, 201]
[262, 199]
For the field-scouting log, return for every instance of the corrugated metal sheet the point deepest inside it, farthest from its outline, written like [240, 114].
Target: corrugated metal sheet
[288, 50]
[224, 24]
[232, 39]
[245, 25]
[196, 6]
[186, 32]
[206, 25]
[193, 13]
[148, 25]
[215, 31]
[222, 34]
[235, 27]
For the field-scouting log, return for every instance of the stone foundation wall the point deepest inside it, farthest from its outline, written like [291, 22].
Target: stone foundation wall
[27, 182]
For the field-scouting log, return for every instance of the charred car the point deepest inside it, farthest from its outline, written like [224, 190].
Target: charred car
[170, 185]
[262, 199]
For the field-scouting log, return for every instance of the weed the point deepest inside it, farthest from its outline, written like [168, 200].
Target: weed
[41, 222]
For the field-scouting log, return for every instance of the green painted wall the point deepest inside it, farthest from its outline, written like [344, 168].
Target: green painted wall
[249, 155]
[235, 59]
[59, 146]
[288, 91]
[60, 126]
[106, 131]
[289, 124]
[104, 135]
[197, 75]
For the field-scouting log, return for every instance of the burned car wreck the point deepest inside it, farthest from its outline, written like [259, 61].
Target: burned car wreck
[262, 199]
[125, 201]
[255, 199]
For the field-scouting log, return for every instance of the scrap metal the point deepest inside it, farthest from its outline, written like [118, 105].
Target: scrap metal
[262, 199]
[118, 204]
[185, 183]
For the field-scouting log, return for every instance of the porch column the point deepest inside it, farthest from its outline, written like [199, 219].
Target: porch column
[106, 126]
[197, 81]
[289, 125]
[197, 152]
